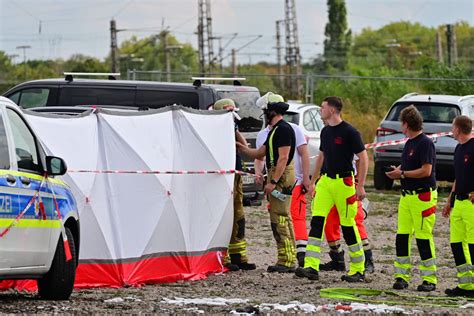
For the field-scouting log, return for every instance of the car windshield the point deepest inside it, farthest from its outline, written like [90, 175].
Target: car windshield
[249, 112]
[292, 117]
[431, 112]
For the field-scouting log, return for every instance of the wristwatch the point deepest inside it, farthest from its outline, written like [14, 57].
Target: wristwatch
[273, 181]
[402, 175]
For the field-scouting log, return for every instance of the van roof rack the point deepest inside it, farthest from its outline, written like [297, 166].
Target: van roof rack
[69, 76]
[236, 80]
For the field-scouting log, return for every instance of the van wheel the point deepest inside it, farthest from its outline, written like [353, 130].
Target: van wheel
[58, 283]
[381, 181]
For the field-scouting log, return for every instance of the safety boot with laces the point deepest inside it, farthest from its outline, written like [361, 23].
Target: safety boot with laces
[400, 284]
[308, 273]
[369, 261]
[426, 287]
[336, 264]
[356, 277]
[457, 291]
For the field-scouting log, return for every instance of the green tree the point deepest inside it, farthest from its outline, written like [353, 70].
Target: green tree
[82, 63]
[149, 54]
[338, 36]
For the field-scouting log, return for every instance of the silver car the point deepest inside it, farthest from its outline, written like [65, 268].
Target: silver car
[308, 117]
[39, 222]
[438, 113]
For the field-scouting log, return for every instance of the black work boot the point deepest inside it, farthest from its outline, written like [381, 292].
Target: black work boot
[232, 267]
[457, 291]
[308, 273]
[300, 257]
[369, 261]
[236, 259]
[426, 287]
[280, 269]
[247, 266]
[400, 284]
[336, 264]
[357, 277]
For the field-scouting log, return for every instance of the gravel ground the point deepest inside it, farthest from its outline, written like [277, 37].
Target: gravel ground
[259, 287]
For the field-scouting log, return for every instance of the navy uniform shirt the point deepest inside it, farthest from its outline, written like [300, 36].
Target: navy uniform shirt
[281, 135]
[417, 152]
[339, 144]
[464, 167]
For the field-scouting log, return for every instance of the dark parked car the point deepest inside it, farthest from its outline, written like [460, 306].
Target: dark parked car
[438, 113]
[146, 94]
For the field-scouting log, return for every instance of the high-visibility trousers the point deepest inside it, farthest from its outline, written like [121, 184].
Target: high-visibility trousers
[416, 214]
[462, 242]
[340, 192]
[333, 225]
[298, 215]
[280, 219]
[238, 244]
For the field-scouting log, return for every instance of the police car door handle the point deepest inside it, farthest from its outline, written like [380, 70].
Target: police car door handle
[26, 181]
[11, 179]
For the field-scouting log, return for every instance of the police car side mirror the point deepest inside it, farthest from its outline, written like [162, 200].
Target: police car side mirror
[55, 166]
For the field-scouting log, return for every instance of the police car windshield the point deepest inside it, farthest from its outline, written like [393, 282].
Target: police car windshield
[249, 112]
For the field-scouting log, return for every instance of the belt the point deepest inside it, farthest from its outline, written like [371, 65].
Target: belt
[417, 191]
[338, 175]
[461, 196]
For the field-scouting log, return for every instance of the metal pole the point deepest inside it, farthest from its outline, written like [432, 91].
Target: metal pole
[234, 62]
[113, 45]
[279, 48]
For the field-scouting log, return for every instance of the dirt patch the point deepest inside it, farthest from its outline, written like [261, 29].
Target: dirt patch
[259, 287]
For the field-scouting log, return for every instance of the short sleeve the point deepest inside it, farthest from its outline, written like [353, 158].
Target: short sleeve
[357, 144]
[322, 137]
[429, 149]
[283, 136]
[299, 136]
[261, 138]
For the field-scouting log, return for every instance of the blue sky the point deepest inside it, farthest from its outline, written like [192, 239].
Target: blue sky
[82, 26]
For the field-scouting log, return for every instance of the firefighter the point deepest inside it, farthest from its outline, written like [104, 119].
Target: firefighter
[417, 206]
[460, 207]
[238, 245]
[279, 149]
[298, 197]
[339, 142]
[333, 237]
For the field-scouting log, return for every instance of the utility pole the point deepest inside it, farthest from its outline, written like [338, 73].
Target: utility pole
[113, 46]
[206, 52]
[439, 47]
[279, 49]
[234, 62]
[452, 45]
[293, 56]
[24, 47]
[168, 48]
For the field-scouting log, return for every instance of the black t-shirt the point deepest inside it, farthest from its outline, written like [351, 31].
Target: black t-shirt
[464, 167]
[417, 152]
[339, 144]
[281, 135]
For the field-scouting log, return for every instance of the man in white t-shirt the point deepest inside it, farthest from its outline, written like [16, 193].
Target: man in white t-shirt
[298, 200]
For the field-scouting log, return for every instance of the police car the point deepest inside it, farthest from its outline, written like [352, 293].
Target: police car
[39, 223]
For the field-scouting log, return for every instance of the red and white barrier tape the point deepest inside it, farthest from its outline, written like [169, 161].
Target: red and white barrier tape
[231, 171]
[367, 146]
[403, 140]
[23, 212]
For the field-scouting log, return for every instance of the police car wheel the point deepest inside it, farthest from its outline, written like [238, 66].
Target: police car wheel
[58, 283]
